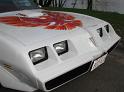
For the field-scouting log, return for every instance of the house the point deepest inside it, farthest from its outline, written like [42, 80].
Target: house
[100, 5]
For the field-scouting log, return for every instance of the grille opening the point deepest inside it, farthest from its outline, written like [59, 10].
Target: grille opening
[68, 76]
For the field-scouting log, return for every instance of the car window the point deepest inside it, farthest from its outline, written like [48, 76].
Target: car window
[25, 4]
[7, 5]
[13, 5]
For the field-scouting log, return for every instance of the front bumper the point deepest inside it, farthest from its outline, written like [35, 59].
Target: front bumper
[114, 46]
[77, 71]
[73, 73]
[68, 76]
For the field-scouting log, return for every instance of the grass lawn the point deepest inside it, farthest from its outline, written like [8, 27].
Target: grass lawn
[117, 20]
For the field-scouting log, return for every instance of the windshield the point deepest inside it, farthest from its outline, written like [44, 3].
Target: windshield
[14, 5]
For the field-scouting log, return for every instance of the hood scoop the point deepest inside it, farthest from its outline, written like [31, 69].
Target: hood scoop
[30, 14]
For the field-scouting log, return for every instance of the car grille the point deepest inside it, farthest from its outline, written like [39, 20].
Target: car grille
[68, 76]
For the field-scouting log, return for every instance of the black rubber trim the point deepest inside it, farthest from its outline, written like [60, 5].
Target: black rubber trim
[114, 46]
[68, 76]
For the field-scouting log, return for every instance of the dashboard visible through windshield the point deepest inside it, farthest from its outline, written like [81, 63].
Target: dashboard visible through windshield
[15, 5]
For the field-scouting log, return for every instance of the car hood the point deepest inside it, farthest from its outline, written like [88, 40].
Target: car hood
[26, 27]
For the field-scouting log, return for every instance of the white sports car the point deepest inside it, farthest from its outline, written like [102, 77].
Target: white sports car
[42, 49]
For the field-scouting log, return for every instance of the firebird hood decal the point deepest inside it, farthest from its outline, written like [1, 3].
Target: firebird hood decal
[50, 20]
[29, 26]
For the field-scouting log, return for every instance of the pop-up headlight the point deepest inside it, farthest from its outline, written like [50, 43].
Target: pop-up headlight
[38, 55]
[61, 47]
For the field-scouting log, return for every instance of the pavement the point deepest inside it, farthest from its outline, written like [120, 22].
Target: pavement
[109, 77]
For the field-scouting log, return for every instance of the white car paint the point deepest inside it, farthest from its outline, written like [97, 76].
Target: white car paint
[16, 68]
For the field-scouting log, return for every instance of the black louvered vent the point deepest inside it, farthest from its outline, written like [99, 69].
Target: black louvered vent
[67, 76]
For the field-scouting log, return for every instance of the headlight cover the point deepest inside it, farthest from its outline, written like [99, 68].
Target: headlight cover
[100, 32]
[61, 47]
[38, 55]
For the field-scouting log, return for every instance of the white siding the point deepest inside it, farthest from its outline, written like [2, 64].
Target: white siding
[81, 4]
[109, 5]
[101, 5]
